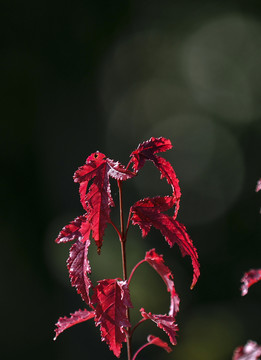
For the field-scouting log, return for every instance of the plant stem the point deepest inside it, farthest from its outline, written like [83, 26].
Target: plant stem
[121, 210]
[139, 350]
[123, 259]
[128, 223]
[116, 229]
[135, 268]
[135, 327]
[124, 265]
[124, 268]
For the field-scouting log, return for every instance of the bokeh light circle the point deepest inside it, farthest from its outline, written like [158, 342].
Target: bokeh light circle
[221, 62]
[209, 164]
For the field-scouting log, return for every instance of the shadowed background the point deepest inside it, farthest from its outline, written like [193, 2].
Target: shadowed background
[94, 75]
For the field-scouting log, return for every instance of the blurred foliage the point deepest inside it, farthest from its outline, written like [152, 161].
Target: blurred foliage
[94, 75]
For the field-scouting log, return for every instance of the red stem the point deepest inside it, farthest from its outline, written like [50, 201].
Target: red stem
[128, 164]
[116, 229]
[138, 323]
[128, 223]
[139, 350]
[134, 269]
[124, 264]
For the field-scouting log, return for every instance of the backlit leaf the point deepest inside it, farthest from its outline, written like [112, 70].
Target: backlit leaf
[78, 266]
[77, 317]
[165, 322]
[154, 340]
[147, 151]
[113, 300]
[96, 199]
[157, 262]
[148, 212]
[71, 231]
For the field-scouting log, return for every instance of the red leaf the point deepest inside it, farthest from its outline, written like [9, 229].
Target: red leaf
[78, 266]
[113, 299]
[251, 351]
[76, 318]
[118, 171]
[148, 212]
[153, 340]
[147, 151]
[97, 200]
[250, 278]
[71, 231]
[144, 210]
[164, 322]
[157, 262]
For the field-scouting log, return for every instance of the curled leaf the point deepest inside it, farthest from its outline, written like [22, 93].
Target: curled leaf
[165, 322]
[117, 171]
[250, 278]
[77, 317]
[148, 212]
[154, 340]
[147, 151]
[157, 262]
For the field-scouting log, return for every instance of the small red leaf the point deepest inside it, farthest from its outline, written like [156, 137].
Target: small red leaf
[151, 207]
[78, 266]
[113, 299]
[91, 168]
[71, 231]
[157, 262]
[250, 351]
[250, 278]
[164, 322]
[147, 151]
[153, 340]
[118, 171]
[75, 318]
[148, 212]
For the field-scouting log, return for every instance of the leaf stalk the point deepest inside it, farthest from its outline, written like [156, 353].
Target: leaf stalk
[123, 238]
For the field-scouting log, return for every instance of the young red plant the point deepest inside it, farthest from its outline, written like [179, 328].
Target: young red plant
[251, 350]
[109, 301]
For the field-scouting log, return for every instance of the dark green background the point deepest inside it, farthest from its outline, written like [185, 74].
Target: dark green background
[82, 76]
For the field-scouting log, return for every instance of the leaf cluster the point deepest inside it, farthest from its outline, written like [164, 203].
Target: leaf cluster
[108, 302]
